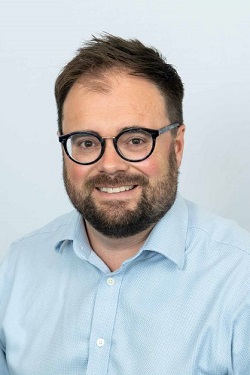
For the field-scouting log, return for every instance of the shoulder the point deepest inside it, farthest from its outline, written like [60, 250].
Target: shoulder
[217, 230]
[46, 237]
[54, 225]
[59, 224]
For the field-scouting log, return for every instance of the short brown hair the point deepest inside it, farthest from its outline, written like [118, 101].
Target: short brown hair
[108, 52]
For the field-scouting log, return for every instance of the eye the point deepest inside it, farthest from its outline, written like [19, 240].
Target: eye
[87, 143]
[136, 141]
[84, 142]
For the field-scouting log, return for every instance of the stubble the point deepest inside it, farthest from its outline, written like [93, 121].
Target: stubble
[113, 218]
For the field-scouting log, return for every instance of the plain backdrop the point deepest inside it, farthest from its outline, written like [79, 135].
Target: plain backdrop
[207, 42]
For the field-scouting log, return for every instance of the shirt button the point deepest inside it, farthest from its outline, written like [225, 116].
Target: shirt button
[100, 342]
[110, 281]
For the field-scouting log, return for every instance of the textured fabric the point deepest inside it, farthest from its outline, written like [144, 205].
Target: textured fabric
[181, 306]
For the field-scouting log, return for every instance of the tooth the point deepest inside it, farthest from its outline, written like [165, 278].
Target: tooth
[111, 190]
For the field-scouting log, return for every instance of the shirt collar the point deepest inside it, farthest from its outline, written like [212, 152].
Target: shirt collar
[168, 237]
[72, 230]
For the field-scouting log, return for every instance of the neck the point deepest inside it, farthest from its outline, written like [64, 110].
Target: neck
[114, 251]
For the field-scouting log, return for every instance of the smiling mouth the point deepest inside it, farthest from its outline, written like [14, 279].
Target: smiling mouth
[117, 189]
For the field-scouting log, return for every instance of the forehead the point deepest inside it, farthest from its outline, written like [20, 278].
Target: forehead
[115, 98]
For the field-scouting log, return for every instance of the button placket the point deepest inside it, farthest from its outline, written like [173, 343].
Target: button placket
[103, 323]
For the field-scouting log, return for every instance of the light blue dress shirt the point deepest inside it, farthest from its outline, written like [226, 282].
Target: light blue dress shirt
[181, 306]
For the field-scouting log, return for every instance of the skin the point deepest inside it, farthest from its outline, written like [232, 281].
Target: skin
[126, 101]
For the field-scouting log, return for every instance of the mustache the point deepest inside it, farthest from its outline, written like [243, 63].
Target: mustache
[120, 179]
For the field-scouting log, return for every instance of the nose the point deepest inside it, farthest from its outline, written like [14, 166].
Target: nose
[111, 162]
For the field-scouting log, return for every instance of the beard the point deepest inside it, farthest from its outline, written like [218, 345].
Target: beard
[113, 218]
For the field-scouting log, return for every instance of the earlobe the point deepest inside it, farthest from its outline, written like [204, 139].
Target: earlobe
[179, 144]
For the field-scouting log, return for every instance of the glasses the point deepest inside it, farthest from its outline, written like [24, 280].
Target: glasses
[132, 144]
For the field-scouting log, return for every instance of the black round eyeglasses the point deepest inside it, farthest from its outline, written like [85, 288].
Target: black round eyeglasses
[132, 144]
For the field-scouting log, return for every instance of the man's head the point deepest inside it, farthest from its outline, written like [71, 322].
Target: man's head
[125, 86]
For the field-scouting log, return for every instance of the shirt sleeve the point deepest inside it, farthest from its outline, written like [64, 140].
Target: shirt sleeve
[241, 340]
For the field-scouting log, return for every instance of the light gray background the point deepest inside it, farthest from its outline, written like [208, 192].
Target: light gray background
[208, 42]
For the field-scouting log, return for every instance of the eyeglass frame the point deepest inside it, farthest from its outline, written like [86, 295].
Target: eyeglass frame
[153, 132]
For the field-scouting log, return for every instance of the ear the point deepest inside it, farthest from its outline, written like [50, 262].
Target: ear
[179, 144]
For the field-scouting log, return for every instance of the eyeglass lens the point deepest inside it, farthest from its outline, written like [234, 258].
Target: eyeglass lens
[133, 145]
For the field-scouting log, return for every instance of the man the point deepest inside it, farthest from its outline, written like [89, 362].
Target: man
[136, 280]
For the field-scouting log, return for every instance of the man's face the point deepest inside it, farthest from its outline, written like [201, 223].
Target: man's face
[143, 191]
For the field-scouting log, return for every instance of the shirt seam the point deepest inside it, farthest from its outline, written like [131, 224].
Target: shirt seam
[41, 232]
[218, 241]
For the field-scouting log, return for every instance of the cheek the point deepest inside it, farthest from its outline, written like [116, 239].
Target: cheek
[155, 166]
[76, 173]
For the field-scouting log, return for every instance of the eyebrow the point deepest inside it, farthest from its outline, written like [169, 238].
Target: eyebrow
[119, 130]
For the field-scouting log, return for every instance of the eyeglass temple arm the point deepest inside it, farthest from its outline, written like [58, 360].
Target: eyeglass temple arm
[169, 127]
